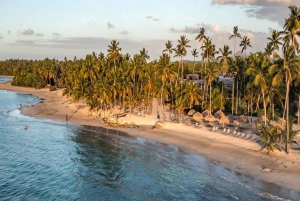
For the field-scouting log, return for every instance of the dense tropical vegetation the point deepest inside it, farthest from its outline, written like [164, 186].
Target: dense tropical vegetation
[265, 82]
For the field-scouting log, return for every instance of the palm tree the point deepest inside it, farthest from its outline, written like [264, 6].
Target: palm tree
[191, 94]
[212, 74]
[169, 48]
[195, 54]
[245, 43]
[275, 39]
[269, 51]
[235, 34]
[90, 69]
[201, 35]
[259, 69]
[114, 51]
[225, 56]
[183, 44]
[144, 55]
[178, 53]
[292, 28]
[269, 135]
[287, 66]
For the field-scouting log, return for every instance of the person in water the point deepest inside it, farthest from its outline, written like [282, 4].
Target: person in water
[25, 127]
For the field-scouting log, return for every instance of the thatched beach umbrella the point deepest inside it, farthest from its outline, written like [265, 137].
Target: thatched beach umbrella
[230, 117]
[191, 112]
[263, 118]
[236, 123]
[205, 113]
[282, 123]
[243, 119]
[210, 118]
[219, 114]
[198, 116]
[224, 121]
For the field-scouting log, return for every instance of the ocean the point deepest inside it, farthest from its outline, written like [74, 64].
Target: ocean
[58, 161]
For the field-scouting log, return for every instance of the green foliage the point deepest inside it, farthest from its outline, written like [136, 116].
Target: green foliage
[52, 88]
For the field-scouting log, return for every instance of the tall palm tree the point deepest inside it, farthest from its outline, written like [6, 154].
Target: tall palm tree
[235, 34]
[195, 54]
[183, 44]
[269, 49]
[201, 37]
[169, 48]
[275, 39]
[287, 66]
[191, 94]
[212, 74]
[292, 28]
[144, 55]
[178, 53]
[225, 56]
[259, 69]
[244, 44]
[114, 51]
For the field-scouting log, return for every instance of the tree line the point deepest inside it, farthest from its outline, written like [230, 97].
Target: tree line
[265, 82]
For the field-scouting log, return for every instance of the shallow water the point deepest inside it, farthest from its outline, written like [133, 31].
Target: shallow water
[50, 159]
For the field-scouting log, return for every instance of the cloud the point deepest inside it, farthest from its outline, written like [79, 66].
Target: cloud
[149, 17]
[27, 32]
[155, 19]
[273, 10]
[8, 32]
[56, 34]
[110, 26]
[39, 34]
[195, 29]
[125, 32]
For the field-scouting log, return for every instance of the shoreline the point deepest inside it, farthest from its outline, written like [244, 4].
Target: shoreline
[230, 152]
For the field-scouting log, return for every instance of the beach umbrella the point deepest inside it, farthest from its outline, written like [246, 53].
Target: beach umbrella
[198, 116]
[219, 114]
[205, 113]
[262, 119]
[224, 121]
[230, 117]
[210, 118]
[191, 112]
[236, 123]
[282, 123]
[243, 119]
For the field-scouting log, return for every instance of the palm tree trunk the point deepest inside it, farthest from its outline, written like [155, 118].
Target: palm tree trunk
[298, 110]
[194, 65]
[265, 107]
[161, 95]
[237, 96]
[251, 106]
[210, 97]
[287, 115]
[232, 98]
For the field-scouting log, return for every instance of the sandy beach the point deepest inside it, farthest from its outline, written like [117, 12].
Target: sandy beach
[238, 154]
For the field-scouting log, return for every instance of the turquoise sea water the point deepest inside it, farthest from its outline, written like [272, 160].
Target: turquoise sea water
[56, 161]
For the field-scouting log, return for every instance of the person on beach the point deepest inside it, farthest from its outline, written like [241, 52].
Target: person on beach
[158, 116]
[21, 105]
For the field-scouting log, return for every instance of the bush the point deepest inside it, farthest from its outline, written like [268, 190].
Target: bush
[53, 88]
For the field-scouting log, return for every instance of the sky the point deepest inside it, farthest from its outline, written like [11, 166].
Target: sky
[35, 29]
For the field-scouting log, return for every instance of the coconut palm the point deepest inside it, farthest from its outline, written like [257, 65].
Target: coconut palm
[288, 67]
[201, 36]
[275, 39]
[269, 51]
[268, 135]
[114, 51]
[244, 44]
[195, 54]
[292, 28]
[144, 55]
[212, 74]
[183, 44]
[224, 57]
[259, 69]
[169, 48]
[191, 94]
[235, 34]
